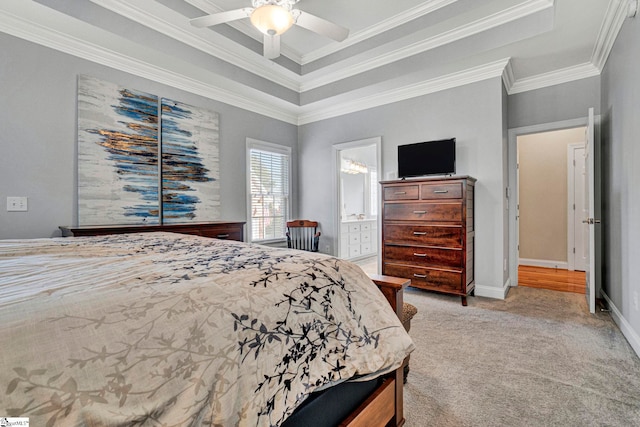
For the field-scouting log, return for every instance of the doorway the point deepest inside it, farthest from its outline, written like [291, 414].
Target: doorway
[357, 203]
[549, 181]
[549, 184]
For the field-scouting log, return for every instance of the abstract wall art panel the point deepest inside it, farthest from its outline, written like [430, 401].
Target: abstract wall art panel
[190, 163]
[117, 154]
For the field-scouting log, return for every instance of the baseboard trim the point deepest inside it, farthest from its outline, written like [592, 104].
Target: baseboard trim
[544, 263]
[492, 291]
[632, 337]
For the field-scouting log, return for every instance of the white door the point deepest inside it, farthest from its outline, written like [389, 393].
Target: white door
[589, 207]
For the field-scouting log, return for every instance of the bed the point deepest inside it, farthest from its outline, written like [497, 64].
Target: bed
[171, 329]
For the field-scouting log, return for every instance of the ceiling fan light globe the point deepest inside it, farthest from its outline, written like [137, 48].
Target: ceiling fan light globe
[272, 19]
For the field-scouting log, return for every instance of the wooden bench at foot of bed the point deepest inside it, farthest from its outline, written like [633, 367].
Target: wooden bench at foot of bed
[385, 405]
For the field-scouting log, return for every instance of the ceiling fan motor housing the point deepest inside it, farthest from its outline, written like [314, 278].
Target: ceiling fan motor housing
[287, 4]
[273, 17]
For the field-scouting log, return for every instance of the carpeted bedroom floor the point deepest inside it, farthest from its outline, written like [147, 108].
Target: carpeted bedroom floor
[536, 359]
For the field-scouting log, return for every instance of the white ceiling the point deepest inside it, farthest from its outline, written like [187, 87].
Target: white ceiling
[396, 49]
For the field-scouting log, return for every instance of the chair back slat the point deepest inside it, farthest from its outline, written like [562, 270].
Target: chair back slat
[303, 235]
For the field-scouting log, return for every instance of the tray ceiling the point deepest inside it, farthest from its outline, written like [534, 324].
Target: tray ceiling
[395, 50]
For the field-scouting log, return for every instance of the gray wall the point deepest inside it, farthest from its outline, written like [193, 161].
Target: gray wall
[38, 138]
[554, 103]
[472, 113]
[621, 175]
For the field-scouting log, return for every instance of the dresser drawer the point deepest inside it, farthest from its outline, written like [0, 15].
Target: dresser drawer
[225, 232]
[433, 235]
[402, 192]
[354, 228]
[416, 255]
[218, 230]
[427, 278]
[441, 191]
[423, 211]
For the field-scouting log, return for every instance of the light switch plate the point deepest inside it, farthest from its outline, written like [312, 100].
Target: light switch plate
[17, 204]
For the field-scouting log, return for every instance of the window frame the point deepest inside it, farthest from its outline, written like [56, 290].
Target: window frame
[254, 144]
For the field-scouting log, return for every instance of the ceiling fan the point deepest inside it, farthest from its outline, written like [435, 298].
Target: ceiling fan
[273, 18]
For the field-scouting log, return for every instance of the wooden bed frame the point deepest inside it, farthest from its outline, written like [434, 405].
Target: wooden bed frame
[384, 407]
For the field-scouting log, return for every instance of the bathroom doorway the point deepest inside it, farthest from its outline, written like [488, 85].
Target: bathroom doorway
[357, 204]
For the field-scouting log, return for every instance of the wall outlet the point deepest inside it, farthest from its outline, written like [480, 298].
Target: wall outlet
[16, 204]
[635, 300]
[504, 264]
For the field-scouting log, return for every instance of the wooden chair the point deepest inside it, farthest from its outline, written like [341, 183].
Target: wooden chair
[303, 234]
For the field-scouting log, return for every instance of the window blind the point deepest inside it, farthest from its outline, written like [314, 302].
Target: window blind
[269, 177]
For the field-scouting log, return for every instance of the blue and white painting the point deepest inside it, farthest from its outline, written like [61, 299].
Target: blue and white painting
[190, 163]
[118, 175]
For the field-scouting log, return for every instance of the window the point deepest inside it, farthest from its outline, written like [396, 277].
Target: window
[269, 170]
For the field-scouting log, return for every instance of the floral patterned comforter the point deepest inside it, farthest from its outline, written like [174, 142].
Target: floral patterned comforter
[174, 330]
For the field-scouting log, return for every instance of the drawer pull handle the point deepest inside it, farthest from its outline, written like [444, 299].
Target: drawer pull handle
[420, 276]
[419, 233]
[419, 212]
[401, 192]
[441, 191]
[222, 236]
[420, 255]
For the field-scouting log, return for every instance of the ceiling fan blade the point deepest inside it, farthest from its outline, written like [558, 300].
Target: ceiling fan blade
[221, 18]
[322, 26]
[271, 46]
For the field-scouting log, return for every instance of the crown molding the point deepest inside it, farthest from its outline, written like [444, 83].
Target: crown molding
[217, 88]
[633, 7]
[611, 25]
[449, 81]
[325, 77]
[165, 20]
[553, 78]
[174, 25]
[36, 23]
[508, 78]
[374, 30]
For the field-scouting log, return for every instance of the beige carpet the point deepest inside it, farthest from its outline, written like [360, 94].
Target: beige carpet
[536, 359]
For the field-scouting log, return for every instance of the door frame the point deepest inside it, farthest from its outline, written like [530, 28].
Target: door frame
[336, 149]
[571, 207]
[513, 134]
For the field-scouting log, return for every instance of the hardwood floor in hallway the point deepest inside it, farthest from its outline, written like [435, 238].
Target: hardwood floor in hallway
[552, 278]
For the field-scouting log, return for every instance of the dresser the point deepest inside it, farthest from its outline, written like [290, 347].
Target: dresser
[358, 239]
[428, 233]
[216, 229]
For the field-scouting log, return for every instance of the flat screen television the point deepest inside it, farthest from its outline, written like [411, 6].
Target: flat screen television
[427, 158]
